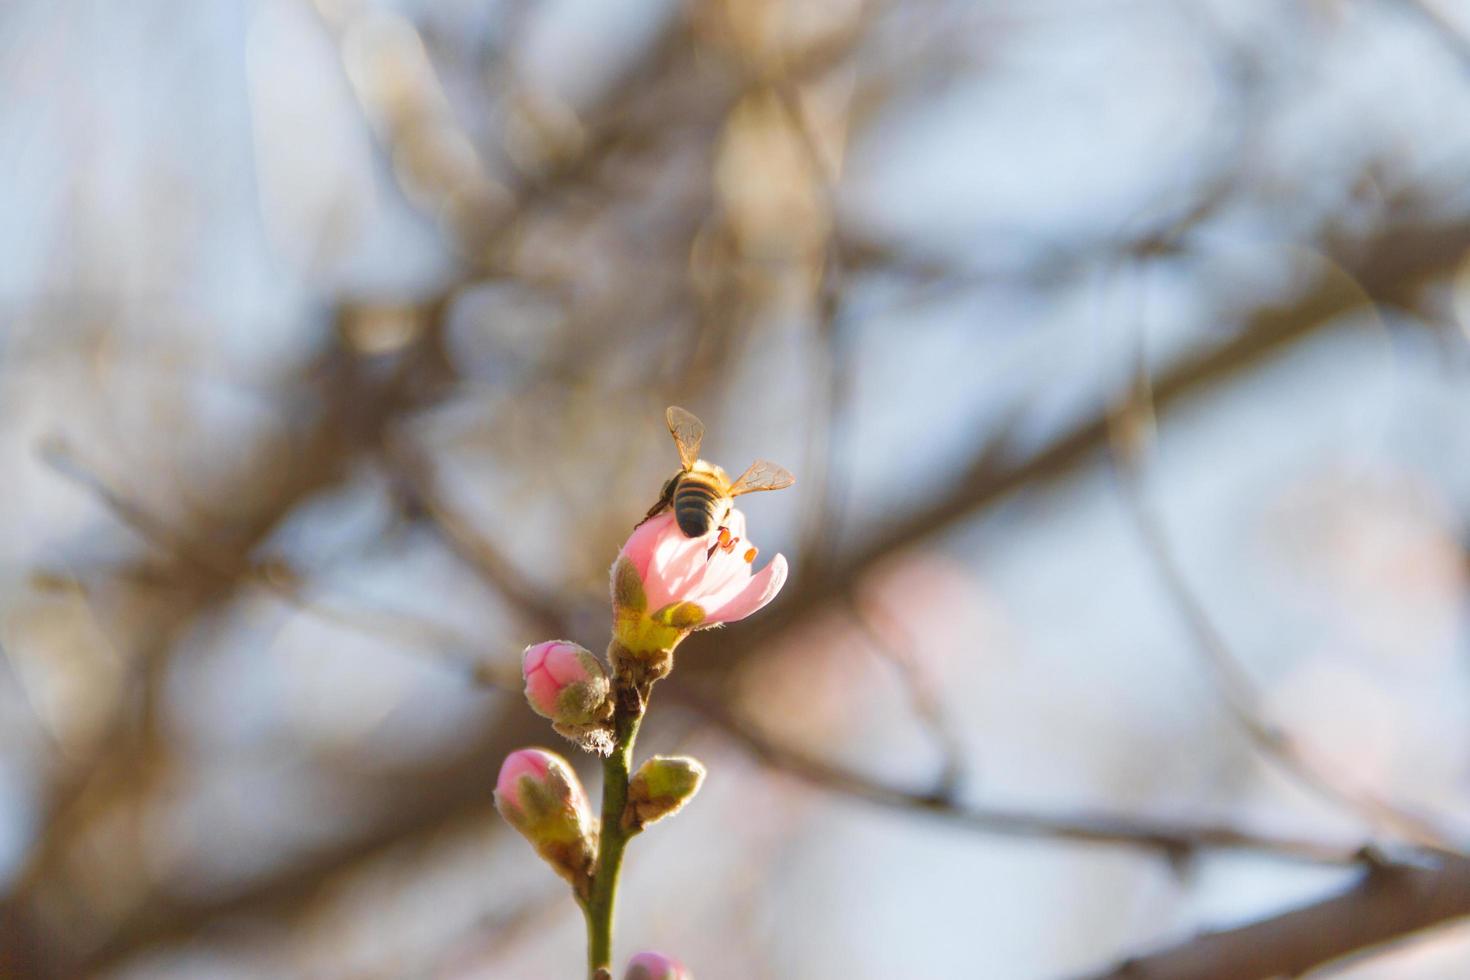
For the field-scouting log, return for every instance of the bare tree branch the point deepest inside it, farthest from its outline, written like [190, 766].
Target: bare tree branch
[1173, 839]
[1385, 906]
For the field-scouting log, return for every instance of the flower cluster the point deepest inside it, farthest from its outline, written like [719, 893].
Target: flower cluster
[664, 586]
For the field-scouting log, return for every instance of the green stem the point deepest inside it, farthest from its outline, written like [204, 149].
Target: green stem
[614, 839]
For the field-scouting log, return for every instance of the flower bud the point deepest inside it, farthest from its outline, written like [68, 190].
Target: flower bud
[660, 788]
[566, 683]
[539, 795]
[656, 966]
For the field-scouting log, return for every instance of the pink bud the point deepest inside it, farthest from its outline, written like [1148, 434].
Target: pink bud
[566, 683]
[665, 584]
[539, 795]
[656, 966]
[532, 764]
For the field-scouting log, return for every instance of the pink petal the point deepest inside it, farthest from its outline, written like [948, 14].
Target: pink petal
[645, 538]
[533, 657]
[547, 668]
[542, 689]
[686, 567]
[721, 573]
[760, 590]
[726, 575]
[564, 665]
[523, 762]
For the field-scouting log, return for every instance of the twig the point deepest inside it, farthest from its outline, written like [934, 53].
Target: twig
[600, 905]
[1385, 906]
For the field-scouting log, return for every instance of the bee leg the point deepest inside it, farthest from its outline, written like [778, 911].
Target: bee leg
[724, 541]
[665, 501]
[657, 509]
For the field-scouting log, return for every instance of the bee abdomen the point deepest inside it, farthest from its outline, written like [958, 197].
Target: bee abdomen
[695, 504]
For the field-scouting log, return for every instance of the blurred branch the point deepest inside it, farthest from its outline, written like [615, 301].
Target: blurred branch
[415, 470]
[467, 541]
[353, 400]
[450, 649]
[360, 401]
[1175, 840]
[447, 794]
[1386, 905]
[427, 800]
[424, 804]
[1390, 266]
[1239, 692]
[346, 403]
[886, 638]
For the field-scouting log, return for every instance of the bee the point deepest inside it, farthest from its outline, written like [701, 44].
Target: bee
[701, 493]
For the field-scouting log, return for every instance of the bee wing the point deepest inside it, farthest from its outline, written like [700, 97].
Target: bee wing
[688, 433]
[762, 475]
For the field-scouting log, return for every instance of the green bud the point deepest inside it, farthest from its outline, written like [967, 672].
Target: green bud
[660, 788]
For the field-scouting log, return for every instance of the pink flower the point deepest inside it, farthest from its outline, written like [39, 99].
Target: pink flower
[665, 584]
[565, 682]
[655, 966]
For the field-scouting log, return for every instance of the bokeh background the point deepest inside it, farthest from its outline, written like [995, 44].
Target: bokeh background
[1118, 348]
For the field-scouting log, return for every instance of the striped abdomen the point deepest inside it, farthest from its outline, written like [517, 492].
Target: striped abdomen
[699, 505]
